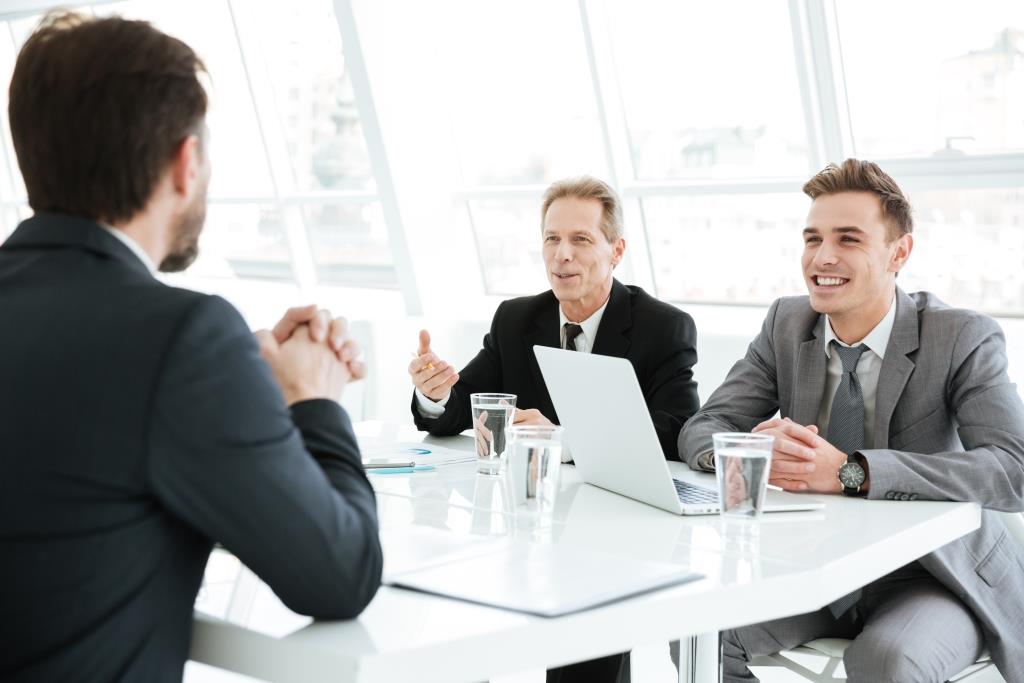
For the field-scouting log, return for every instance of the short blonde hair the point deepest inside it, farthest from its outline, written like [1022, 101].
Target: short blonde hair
[588, 187]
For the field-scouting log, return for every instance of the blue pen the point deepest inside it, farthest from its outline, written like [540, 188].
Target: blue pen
[401, 470]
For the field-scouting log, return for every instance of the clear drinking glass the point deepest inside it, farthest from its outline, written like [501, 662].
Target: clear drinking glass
[742, 462]
[532, 472]
[492, 416]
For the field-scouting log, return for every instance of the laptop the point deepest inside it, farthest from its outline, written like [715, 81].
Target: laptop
[612, 438]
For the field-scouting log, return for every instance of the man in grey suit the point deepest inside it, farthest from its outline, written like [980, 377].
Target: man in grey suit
[888, 396]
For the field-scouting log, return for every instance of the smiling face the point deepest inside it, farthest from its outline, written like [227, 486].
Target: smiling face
[578, 256]
[850, 261]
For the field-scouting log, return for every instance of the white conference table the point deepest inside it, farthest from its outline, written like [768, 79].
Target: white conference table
[784, 564]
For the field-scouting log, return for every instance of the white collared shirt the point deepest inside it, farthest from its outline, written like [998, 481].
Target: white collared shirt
[584, 343]
[868, 369]
[134, 246]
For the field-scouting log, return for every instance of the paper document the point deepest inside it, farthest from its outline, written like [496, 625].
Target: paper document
[418, 453]
[548, 580]
[413, 548]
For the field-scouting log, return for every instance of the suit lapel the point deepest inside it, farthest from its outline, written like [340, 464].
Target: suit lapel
[810, 377]
[611, 338]
[896, 367]
[544, 333]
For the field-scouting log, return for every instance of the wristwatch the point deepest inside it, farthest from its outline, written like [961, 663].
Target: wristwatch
[852, 476]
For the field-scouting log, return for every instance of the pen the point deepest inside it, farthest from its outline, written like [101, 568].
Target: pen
[773, 487]
[401, 470]
[386, 465]
[428, 366]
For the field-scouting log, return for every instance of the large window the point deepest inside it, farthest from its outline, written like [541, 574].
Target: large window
[293, 197]
[926, 79]
[703, 103]
[725, 248]
[515, 81]
[707, 120]
[969, 248]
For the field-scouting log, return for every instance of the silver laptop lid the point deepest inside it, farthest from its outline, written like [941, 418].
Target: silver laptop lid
[607, 425]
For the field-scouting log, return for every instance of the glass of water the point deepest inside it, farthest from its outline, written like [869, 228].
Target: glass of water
[492, 416]
[742, 463]
[534, 461]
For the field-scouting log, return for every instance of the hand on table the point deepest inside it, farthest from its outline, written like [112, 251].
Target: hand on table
[801, 459]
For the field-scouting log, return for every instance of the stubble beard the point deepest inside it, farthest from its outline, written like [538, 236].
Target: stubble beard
[185, 246]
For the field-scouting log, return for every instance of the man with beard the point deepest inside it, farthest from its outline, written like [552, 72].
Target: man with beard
[138, 422]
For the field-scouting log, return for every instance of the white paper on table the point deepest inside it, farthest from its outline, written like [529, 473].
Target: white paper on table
[414, 548]
[548, 580]
[419, 453]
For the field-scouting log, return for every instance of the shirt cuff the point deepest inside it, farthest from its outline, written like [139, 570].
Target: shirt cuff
[429, 408]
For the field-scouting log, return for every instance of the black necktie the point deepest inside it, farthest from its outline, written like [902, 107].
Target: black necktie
[572, 330]
[846, 430]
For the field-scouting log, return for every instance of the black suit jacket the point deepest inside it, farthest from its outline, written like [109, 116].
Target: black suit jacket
[658, 339]
[138, 425]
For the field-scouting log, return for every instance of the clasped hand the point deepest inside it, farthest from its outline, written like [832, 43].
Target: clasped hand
[801, 459]
[311, 354]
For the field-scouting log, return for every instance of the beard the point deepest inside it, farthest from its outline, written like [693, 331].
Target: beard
[185, 246]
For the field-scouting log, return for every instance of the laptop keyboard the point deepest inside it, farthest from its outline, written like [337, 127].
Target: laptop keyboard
[693, 494]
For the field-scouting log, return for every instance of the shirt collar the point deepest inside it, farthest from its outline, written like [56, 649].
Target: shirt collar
[876, 340]
[134, 246]
[589, 325]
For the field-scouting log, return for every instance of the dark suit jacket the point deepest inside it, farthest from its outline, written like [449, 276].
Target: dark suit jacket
[658, 339]
[138, 425]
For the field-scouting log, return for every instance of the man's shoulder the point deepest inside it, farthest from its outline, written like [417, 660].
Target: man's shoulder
[526, 307]
[794, 307]
[649, 309]
[792, 317]
[178, 311]
[940, 321]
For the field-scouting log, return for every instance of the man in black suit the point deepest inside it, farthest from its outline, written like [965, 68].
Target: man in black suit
[587, 309]
[138, 422]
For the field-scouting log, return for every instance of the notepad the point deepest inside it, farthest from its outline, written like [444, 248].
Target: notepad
[547, 580]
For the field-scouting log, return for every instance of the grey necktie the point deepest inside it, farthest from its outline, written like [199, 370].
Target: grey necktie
[572, 330]
[846, 430]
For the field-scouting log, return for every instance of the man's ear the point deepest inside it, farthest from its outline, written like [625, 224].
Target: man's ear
[186, 166]
[618, 249]
[904, 245]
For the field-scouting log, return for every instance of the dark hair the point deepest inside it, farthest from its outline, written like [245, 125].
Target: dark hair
[98, 108]
[855, 175]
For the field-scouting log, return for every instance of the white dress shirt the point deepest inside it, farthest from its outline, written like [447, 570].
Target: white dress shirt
[868, 368]
[134, 246]
[584, 342]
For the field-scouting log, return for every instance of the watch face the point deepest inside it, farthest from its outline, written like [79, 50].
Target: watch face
[851, 475]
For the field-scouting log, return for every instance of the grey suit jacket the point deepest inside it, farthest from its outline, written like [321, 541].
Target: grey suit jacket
[949, 425]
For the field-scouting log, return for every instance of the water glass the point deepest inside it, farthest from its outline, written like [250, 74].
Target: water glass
[742, 464]
[492, 416]
[534, 461]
